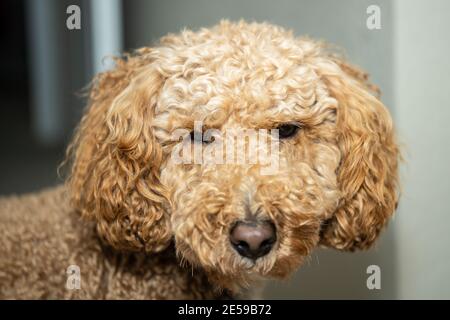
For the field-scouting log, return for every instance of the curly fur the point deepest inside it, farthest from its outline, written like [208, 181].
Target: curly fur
[337, 183]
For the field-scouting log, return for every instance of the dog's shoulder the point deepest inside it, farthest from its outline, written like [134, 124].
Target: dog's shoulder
[42, 237]
[47, 251]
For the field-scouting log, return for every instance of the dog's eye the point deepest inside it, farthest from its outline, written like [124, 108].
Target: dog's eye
[287, 130]
[198, 137]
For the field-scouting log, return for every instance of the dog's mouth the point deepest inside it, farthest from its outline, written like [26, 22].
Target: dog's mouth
[249, 249]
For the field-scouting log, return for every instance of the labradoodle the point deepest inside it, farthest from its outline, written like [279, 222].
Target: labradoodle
[135, 221]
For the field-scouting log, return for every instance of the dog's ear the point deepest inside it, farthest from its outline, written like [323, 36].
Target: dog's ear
[114, 177]
[367, 175]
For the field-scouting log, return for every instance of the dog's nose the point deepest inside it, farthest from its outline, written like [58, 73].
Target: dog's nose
[253, 239]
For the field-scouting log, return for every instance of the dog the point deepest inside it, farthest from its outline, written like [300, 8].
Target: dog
[131, 222]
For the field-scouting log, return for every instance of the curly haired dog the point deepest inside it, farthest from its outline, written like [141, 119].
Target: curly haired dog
[153, 228]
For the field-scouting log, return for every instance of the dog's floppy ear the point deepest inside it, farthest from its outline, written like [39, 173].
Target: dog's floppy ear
[116, 159]
[367, 175]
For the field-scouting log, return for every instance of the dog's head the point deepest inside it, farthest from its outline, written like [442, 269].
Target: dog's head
[335, 176]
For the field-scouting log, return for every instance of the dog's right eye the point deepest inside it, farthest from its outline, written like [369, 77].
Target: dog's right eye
[198, 137]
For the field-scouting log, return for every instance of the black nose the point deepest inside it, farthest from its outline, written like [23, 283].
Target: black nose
[253, 239]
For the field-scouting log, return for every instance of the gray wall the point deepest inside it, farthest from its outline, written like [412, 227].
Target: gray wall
[328, 274]
[422, 102]
[59, 67]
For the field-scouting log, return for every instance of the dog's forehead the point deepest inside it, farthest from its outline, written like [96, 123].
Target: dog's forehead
[242, 76]
[252, 96]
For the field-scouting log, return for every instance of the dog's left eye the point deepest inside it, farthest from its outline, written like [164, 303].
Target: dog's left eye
[287, 130]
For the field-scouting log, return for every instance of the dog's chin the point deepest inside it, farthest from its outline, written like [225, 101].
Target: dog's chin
[234, 272]
[228, 270]
[247, 274]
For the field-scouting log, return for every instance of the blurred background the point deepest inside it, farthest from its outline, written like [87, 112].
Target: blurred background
[45, 65]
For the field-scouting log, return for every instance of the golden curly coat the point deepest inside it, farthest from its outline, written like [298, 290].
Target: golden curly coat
[155, 229]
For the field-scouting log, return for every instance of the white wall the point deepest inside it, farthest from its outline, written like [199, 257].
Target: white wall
[422, 107]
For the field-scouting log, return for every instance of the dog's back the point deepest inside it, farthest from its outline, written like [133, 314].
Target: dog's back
[48, 252]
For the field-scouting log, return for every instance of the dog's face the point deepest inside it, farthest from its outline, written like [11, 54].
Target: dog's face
[328, 141]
